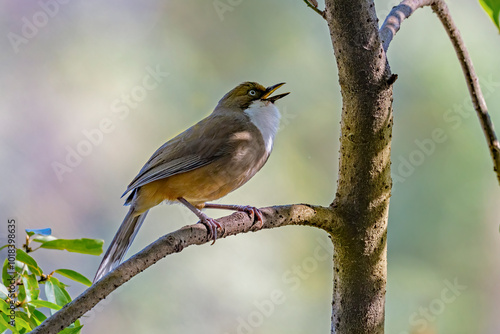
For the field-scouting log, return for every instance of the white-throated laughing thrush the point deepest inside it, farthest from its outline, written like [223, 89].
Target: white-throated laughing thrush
[204, 163]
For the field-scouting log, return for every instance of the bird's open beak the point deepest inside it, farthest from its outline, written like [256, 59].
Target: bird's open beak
[269, 90]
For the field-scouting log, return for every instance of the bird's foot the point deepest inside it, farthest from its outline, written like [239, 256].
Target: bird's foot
[254, 213]
[212, 225]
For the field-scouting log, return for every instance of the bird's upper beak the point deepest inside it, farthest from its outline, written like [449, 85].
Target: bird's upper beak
[269, 90]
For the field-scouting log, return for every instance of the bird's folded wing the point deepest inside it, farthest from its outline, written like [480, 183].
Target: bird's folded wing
[163, 169]
[200, 145]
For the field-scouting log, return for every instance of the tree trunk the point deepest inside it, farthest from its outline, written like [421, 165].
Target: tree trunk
[364, 183]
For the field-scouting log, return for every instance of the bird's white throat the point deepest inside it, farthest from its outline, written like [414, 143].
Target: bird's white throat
[266, 117]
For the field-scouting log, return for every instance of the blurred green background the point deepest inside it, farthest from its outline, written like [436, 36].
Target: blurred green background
[76, 69]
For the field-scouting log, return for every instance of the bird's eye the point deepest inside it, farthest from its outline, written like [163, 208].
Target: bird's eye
[252, 92]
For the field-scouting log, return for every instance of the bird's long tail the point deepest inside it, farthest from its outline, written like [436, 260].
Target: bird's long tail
[121, 243]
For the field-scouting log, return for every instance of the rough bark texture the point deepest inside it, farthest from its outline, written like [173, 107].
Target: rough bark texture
[364, 183]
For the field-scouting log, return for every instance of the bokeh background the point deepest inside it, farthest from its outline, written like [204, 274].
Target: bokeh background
[85, 63]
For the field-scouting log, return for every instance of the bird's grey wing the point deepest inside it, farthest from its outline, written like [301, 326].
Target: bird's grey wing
[161, 169]
[198, 146]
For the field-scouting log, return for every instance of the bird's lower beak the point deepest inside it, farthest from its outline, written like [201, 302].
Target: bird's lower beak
[269, 90]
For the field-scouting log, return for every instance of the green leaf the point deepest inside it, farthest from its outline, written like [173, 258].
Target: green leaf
[23, 257]
[3, 329]
[27, 288]
[39, 231]
[492, 8]
[43, 303]
[75, 276]
[71, 330]
[50, 293]
[84, 246]
[40, 317]
[5, 275]
[56, 293]
[21, 293]
[4, 306]
[7, 270]
[44, 238]
[31, 287]
[4, 293]
[7, 245]
[62, 287]
[7, 325]
[23, 321]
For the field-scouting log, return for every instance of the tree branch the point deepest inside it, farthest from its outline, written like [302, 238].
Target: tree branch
[315, 8]
[398, 14]
[391, 26]
[442, 11]
[276, 216]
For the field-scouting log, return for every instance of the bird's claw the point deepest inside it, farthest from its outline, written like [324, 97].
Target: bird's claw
[212, 225]
[253, 212]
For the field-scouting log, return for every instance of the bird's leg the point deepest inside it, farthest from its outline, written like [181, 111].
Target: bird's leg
[250, 210]
[210, 223]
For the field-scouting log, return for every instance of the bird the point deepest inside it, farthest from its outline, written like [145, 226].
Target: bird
[204, 163]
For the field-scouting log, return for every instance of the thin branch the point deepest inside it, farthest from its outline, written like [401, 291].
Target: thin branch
[391, 26]
[398, 14]
[322, 13]
[276, 216]
[442, 11]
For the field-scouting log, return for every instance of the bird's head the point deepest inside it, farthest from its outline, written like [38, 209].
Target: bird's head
[244, 94]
